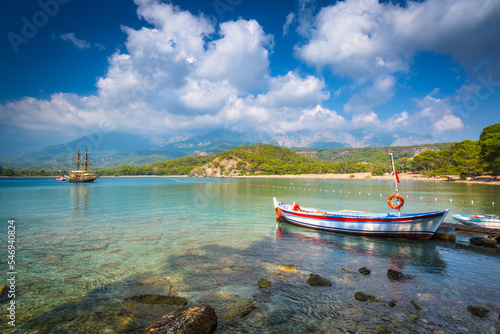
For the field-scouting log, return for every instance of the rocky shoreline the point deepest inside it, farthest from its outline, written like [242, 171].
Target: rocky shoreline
[204, 318]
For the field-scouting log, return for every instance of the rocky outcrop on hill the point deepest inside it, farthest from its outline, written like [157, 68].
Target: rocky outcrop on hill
[221, 168]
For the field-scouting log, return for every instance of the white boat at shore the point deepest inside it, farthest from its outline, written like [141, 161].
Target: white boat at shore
[410, 226]
[489, 221]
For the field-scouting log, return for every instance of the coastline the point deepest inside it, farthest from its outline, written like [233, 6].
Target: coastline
[403, 177]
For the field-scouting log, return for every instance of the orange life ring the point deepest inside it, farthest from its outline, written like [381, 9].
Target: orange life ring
[400, 199]
[296, 207]
[278, 212]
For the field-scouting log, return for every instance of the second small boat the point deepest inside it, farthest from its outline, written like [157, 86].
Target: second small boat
[489, 221]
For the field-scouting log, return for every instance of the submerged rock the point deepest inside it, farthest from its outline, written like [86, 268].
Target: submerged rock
[364, 297]
[383, 330]
[264, 283]
[159, 299]
[478, 311]
[364, 271]
[391, 303]
[416, 305]
[4, 293]
[317, 280]
[229, 307]
[95, 247]
[397, 276]
[146, 284]
[413, 317]
[194, 320]
[288, 267]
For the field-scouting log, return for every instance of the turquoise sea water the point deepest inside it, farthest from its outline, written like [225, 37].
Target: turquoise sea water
[82, 250]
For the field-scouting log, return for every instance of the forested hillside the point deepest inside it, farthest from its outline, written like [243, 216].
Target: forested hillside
[465, 158]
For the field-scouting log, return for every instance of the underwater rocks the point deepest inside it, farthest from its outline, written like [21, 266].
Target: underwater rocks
[288, 268]
[417, 305]
[398, 276]
[159, 299]
[413, 317]
[95, 247]
[383, 330]
[480, 312]
[229, 307]
[364, 271]
[264, 283]
[4, 293]
[149, 284]
[365, 297]
[193, 320]
[317, 280]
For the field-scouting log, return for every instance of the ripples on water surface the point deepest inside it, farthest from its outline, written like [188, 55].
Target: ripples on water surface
[84, 249]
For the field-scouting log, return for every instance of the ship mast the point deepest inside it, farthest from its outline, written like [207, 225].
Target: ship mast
[78, 160]
[86, 163]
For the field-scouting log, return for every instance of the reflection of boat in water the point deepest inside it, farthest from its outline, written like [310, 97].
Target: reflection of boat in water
[82, 173]
[490, 221]
[411, 226]
[403, 251]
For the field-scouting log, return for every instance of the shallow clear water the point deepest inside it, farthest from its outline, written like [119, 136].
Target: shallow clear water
[83, 249]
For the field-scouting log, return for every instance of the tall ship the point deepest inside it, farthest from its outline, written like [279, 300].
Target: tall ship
[81, 172]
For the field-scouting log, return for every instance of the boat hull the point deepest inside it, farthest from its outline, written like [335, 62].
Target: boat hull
[471, 220]
[78, 180]
[410, 226]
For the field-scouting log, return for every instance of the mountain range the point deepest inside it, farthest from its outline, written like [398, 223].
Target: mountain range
[114, 149]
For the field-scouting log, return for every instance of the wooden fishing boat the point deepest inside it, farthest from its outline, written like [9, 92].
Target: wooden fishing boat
[489, 221]
[411, 226]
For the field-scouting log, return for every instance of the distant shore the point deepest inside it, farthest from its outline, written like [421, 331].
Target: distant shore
[403, 177]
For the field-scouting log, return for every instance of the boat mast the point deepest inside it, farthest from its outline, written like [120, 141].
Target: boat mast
[85, 166]
[86, 163]
[394, 173]
[78, 160]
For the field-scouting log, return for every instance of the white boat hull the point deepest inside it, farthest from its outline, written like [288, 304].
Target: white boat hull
[412, 226]
[478, 220]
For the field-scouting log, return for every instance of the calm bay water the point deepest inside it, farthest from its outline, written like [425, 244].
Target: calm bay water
[82, 250]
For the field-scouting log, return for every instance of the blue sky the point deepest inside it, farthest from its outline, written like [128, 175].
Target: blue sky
[182, 68]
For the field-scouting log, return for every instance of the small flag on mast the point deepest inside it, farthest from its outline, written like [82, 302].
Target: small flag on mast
[397, 177]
